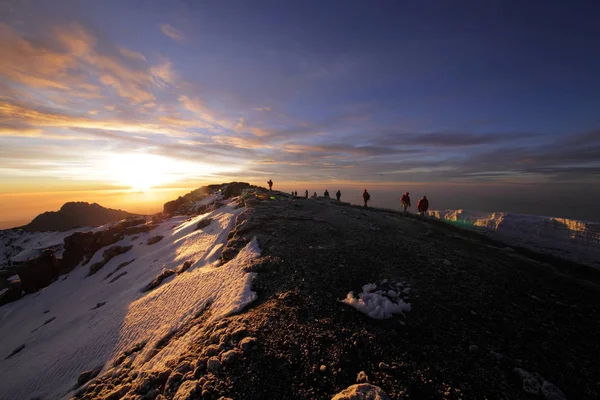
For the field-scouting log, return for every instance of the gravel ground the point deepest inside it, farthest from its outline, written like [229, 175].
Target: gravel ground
[479, 310]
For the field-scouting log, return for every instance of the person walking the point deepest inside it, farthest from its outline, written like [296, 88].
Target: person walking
[423, 205]
[405, 200]
[366, 197]
[338, 195]
[270, 183]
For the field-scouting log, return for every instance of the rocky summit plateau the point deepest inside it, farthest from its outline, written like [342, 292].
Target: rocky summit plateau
[238, 292]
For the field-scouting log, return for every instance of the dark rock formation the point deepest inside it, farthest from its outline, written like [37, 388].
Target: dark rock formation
[154, 240]
[73, 215]
[109, 254]
[39, 272]
[14, 292]
[158, 280]
[203, 223]
[83, 245]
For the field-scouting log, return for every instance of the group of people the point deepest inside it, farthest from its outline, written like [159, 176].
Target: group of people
[422, 204]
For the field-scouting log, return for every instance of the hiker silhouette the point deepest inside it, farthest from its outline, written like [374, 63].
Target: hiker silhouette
[326, 194]
[306, 194]
[338, 195]
[270, 183]
[405, 200]
[423, 205]
[366, 197]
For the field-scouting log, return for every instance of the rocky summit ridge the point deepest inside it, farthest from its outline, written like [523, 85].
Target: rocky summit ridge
[475, 318]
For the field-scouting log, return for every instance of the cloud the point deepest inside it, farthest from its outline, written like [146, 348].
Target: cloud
[163, 74]
[134, 55]
[262, 109]
[13, 113]
[171, 32]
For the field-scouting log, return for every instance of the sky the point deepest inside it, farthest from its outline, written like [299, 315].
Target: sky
[499, 96]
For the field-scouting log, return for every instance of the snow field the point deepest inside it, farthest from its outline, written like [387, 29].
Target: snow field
[88, 334]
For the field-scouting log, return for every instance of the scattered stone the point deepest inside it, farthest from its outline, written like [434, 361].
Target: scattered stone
[98, 305]
[473, 348]
[429, 233]
[383, 366]
[203, 223]
[531, 384]
[118, 276]
[212, 350]
[118, 392]
[361, 391]
[362, 377]
[446, 263]
[86, 376]
[186, 265]
[165, 273]
[173, 381]
[247, 343]
[239, 333]
[184, 367]
[551, 392]
[230, 356]
[154, 240]
[214, 365]
[186, 390]
[323, 368]
[199, 371]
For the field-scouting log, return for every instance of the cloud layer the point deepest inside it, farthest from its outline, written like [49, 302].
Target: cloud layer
[72, 94]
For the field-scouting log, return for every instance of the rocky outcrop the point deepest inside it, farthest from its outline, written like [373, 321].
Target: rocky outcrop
[81, 246]
[73, 215]
[39, 272]
[109, 254]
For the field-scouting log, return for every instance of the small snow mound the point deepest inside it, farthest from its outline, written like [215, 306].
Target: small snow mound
[377, 305]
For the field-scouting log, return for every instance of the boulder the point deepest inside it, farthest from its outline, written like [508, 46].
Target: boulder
[12, 293]
[165, 273]
[203, 223]
[86, 376]
[154, 239]
[39, 272]
[361, 391]
[186, 390]
[247, 343]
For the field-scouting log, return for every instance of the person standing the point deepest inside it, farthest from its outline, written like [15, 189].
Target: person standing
[338, 195]
[270, 183]
[405, 200]
[306, 194]
[423, 205]
[326, 194]
[366, 197]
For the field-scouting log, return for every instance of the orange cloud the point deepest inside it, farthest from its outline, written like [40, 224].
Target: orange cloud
[171, 32]
[75, 62]
[11, 113]
[39, 67]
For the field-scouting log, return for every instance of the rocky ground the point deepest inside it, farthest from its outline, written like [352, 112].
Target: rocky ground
[487, 321]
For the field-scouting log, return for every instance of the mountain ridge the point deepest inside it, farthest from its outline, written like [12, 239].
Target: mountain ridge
[73, 215]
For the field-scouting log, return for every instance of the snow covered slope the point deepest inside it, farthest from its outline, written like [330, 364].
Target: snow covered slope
[83, 322]
[575, 240]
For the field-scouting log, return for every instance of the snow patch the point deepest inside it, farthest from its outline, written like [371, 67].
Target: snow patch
[379, 304]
